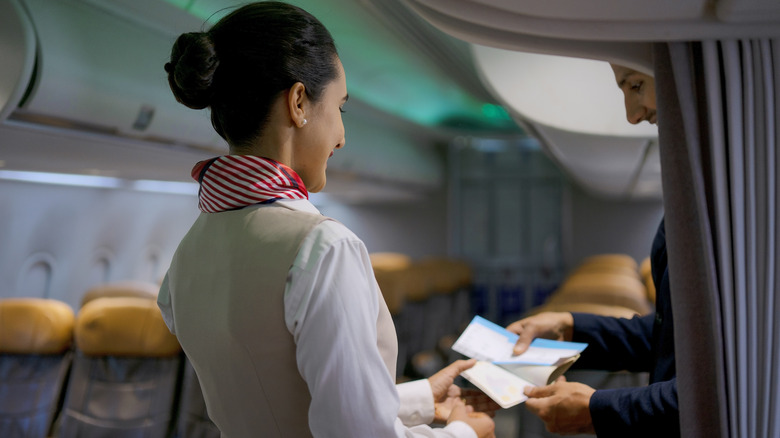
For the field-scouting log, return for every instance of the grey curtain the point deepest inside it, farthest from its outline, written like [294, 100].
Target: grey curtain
[718, 118]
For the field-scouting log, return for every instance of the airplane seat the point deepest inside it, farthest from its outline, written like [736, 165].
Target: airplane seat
[646, 273]
[607, 285]
[413, 321]
[621, 261]
[461, 311]
[461, 275]
[389, 260]
[35, 336]
[389, 270]
[604, 288]
[193, 420]
[608, 263]
[604, 284]
[128, 288]
[594, 308]
[438, 307]
[449, 304]
[125, 376]
[386, 267]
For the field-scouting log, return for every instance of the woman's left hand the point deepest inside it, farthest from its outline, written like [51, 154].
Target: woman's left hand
[446, 395]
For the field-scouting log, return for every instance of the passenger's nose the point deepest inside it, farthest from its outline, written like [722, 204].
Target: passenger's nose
[635, 113]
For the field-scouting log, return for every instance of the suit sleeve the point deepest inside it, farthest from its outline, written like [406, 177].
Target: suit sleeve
[614, 344]
[649, 411]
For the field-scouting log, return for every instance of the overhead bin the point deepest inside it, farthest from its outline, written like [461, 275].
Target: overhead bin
[101, 71]
[603, 159]
[95, 68]
[611, 166]
[575, 109]
[17, 44]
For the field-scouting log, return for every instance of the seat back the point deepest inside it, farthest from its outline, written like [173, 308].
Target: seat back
[646, 272]
[129, 288]
[35, 336]
[125, 373]
[193, 418]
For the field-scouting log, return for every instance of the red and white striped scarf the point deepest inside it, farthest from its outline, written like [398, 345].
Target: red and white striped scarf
[230, 182]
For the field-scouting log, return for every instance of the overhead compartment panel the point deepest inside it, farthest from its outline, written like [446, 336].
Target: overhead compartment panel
[17, 44]
[104, 71]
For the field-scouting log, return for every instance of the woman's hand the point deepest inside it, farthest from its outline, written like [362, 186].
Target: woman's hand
[482, 424]
[447, 396]
[445, 393]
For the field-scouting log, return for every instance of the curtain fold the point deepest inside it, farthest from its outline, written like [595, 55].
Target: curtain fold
[718, 118]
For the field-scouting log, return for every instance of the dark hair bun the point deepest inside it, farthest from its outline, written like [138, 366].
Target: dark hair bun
[191, 70]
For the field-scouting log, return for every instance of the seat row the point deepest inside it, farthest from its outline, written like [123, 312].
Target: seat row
[605, 284]
[428, 298]
[112, 370]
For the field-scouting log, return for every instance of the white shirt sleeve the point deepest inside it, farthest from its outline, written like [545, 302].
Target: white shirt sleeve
[331, 308]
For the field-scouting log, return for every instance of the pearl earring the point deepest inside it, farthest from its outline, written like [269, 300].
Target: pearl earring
[305, 121]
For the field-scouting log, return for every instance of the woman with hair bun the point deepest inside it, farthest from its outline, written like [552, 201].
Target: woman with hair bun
[275, 305]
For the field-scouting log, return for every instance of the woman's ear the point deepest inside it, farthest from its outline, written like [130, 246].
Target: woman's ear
[296, 104]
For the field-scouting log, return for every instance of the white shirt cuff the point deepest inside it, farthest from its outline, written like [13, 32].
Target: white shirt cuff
[416, 403]
[460, 430]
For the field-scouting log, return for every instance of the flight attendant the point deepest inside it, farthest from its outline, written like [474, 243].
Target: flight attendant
[275, 305]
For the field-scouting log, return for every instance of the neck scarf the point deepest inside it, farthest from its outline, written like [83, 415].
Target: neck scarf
[230, 182]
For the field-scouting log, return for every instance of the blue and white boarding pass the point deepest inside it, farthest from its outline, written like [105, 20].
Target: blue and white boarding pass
[485, 340]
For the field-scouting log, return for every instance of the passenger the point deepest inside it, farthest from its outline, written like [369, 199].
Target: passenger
[643, 343]
[275, 305]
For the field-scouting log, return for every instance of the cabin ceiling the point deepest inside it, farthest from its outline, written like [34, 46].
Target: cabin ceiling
[419, 73]
[83, 72]
[395, 61]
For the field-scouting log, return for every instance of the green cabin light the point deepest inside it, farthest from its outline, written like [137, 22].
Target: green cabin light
[384, 71]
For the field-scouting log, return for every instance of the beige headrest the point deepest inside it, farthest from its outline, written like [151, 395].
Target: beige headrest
[417, 283]
[391, 261]
[608, 289]
[616, 260]
[130, 288]
[35, 326]
[645, 268]
[605, 269]
[123, 326]
[445, 275]
[636, 304]
[391, 284]
[596, 309]
[645, 271]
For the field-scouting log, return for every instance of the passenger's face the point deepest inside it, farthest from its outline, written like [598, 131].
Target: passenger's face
[324, 133]
[639, 91]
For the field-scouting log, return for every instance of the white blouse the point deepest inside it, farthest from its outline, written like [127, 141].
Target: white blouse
[331, 304]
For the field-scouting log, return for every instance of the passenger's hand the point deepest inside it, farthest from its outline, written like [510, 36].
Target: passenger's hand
[563, 406]
[558, 326]
[482, 424]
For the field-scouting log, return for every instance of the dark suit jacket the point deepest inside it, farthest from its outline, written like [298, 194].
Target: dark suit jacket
[638, 344]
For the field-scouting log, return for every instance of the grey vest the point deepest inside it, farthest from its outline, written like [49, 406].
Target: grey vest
[227, 282]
